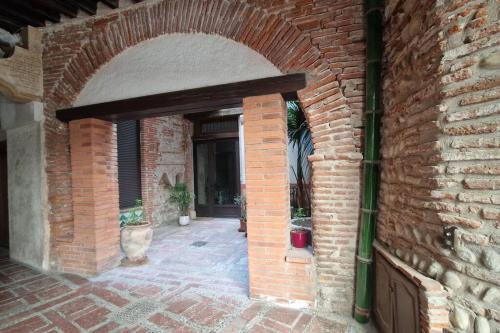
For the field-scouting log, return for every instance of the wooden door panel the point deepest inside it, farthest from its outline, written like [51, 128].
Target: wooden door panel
[405, 304]
[396, 302]
[383, 308]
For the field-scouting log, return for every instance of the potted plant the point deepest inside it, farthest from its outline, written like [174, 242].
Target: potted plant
[301, 219]
[241, 201]
[299, 237]
[182, 197]
[300, 213]
[136, 233]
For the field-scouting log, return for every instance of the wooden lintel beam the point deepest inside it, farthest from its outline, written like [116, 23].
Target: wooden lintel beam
[170, 111]
[187, 101]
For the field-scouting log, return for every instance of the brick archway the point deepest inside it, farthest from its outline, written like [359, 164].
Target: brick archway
[292, 41]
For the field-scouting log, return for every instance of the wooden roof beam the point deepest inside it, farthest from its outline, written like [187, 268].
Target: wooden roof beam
[88, 6]
[111, 3]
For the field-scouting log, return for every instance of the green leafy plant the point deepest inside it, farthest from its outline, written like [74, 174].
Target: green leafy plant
[133, 216]
[241, 201]
[182, 197]
[300, 212]
[299, 135]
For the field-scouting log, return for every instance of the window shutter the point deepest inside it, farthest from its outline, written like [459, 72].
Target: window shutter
[129, 163]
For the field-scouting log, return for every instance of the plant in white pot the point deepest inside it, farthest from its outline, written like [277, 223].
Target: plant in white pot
[182, 197]
[136, 234]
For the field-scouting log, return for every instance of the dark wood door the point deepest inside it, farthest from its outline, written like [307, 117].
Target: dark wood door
[396, 300]
[217, 177]
[4, 203]
[405, 304]
[383, 295]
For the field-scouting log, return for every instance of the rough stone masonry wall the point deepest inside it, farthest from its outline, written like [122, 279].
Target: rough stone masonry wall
[322, 38]
[166, 157]
[441, 151]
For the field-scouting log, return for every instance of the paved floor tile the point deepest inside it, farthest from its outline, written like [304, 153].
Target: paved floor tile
[196, 280]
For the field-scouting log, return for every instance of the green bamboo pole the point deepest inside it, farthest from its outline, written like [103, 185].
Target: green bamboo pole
[373, 114]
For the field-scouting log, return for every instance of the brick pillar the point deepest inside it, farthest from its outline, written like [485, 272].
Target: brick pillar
[268, 204]
[96, 242]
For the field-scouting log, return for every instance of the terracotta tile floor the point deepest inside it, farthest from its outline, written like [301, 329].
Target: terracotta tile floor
[183, 288]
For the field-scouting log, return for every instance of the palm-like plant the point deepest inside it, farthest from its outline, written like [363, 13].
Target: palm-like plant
[182, 197]
[299, 136]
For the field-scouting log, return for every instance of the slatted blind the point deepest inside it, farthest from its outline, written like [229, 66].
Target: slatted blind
[129, 165]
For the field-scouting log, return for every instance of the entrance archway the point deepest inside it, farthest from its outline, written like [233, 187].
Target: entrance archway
[336, 161]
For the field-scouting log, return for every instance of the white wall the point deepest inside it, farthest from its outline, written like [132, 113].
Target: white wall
[175, 62]
[292, 162]
[241, 134]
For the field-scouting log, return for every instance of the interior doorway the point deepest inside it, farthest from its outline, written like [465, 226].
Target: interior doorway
[217, 177]
[4, 203]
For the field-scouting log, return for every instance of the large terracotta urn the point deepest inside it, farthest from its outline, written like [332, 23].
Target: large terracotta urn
[135, 240]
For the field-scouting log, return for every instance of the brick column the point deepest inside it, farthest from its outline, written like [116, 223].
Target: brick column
[96, 242]
[268, 204]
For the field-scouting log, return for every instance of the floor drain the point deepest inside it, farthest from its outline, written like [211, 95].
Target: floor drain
[136, 311]
[199, 243]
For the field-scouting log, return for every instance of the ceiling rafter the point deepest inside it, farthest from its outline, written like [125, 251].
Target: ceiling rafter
[16, 14]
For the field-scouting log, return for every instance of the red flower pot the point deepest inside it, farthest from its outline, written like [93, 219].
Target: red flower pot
[299, 238]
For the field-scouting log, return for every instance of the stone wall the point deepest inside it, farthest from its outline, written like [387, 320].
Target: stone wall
[22, 126]
[166, 158]
[441, 151]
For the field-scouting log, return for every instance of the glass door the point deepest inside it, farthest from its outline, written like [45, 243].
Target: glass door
[217, 179]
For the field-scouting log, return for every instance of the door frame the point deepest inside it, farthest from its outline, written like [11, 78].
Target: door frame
[5, 211]
[211, 210]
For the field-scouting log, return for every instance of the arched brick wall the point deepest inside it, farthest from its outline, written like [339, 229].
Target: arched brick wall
[325, 40]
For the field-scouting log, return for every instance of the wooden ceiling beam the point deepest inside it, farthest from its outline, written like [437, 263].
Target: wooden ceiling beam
[111, 3]
[88, 6]
[44, 9]
[18, 15]
[36, 9]
[10, 24]
[189, 101]
[15, 14]
[65, 7]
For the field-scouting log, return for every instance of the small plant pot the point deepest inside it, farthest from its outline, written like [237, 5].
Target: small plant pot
[243, 226]
[299, 238]
[184, 220]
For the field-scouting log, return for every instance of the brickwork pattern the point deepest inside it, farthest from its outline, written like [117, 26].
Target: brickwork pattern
[441, 151]
[95, 243]
[268, 204]
[321, 38]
